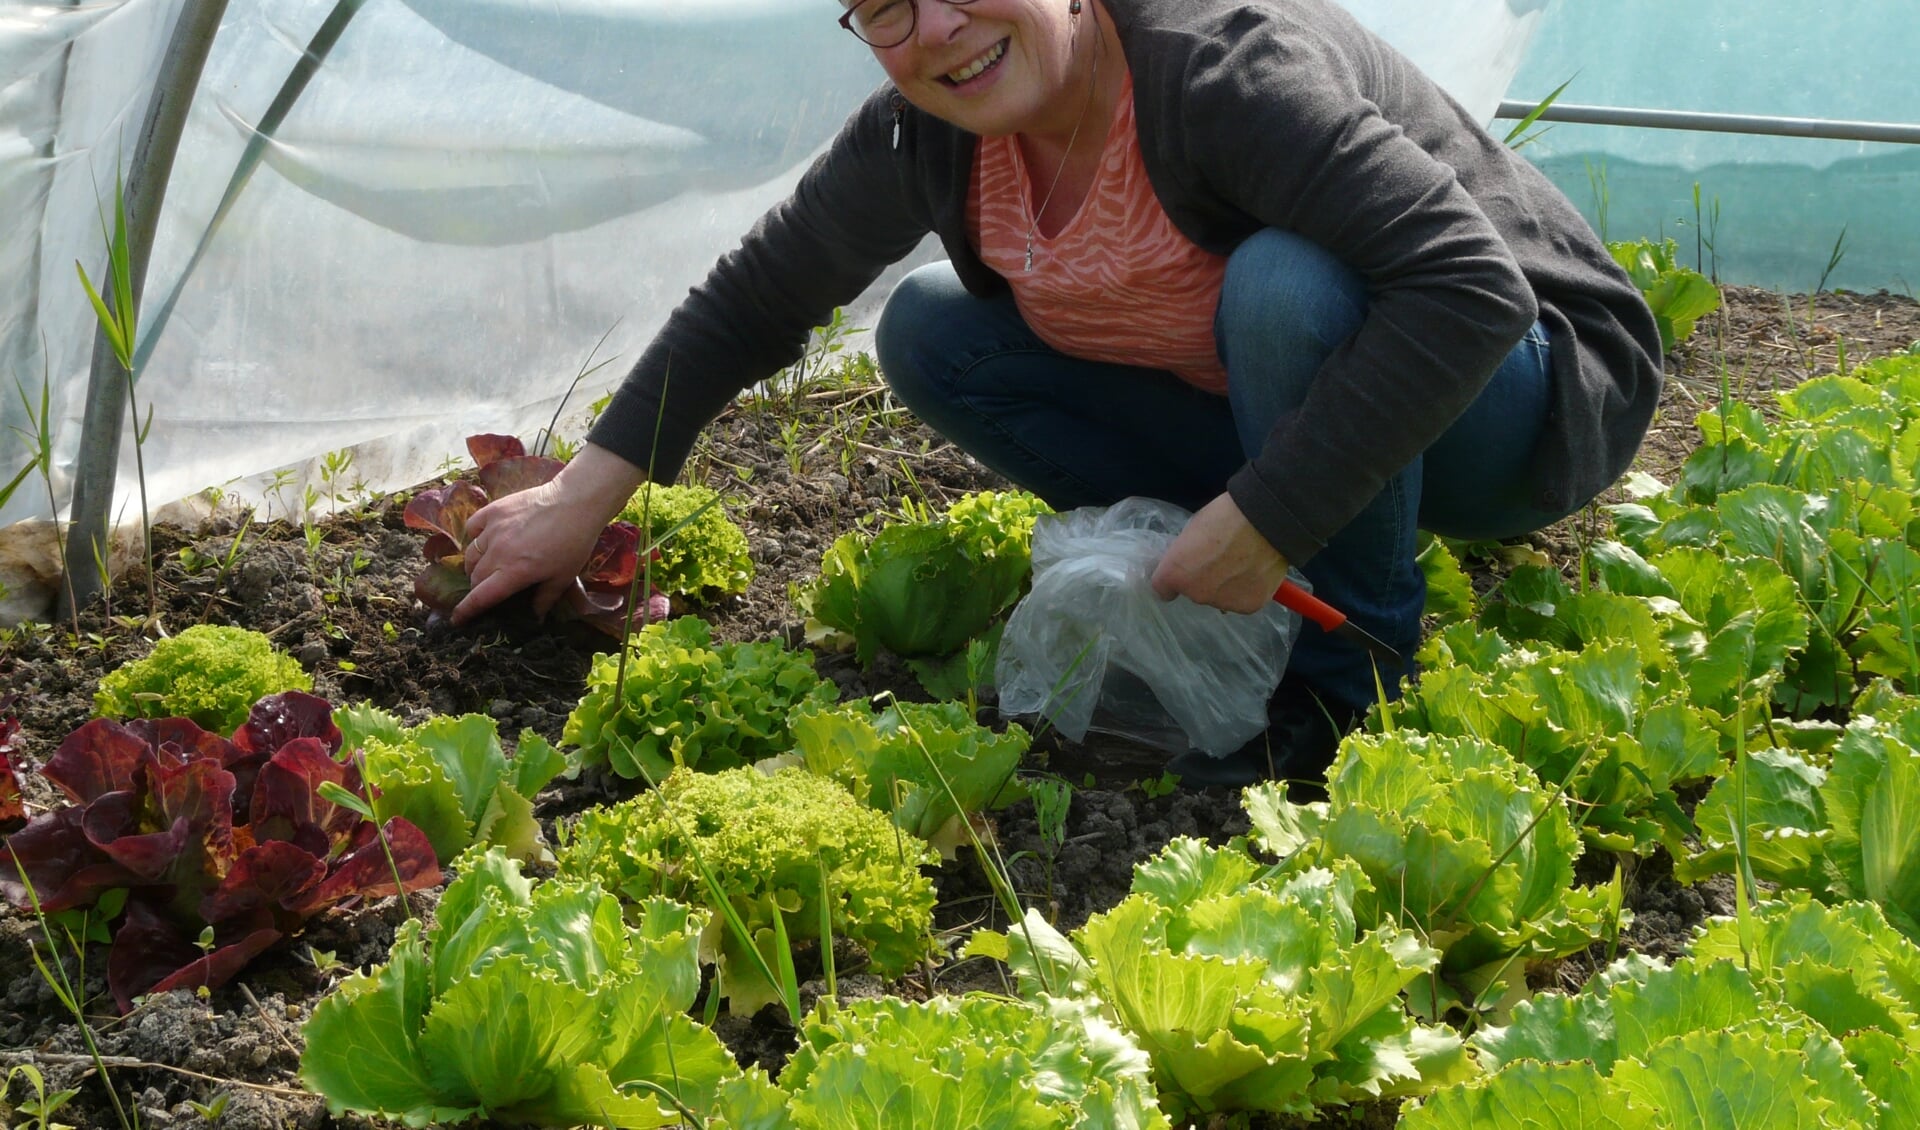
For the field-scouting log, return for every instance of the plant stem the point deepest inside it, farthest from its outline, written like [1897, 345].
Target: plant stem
[63, 989]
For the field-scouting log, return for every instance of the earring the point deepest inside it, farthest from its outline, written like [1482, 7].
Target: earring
[1073, 9]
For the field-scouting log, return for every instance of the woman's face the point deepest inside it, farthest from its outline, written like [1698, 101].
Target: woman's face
[992, 67]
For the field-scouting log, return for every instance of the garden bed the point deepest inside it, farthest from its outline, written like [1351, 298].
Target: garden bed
[799, 468]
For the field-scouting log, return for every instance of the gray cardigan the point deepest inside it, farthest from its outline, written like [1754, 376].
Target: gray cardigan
[1281, 113]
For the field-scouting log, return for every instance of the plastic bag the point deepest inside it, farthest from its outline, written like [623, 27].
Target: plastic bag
[1092, 647]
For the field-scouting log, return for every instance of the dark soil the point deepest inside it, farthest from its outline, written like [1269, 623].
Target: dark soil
[345, 610]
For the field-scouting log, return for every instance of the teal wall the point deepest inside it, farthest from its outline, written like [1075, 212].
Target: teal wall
[1783, 201]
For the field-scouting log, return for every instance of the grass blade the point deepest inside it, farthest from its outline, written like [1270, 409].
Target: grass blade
[1516, 136]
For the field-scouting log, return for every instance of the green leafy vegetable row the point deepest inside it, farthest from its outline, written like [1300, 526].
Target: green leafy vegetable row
[1801, 1015]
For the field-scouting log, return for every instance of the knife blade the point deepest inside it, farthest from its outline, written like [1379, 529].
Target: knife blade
[1332, 620]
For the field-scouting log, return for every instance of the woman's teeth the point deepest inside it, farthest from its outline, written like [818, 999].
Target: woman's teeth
[982, 63]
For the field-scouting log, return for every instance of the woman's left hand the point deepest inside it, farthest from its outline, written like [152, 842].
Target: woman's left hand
[1220, 560]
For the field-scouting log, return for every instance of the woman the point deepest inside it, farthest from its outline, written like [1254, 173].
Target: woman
[1241, 256]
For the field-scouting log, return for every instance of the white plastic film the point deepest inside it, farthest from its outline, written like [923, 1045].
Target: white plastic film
[466, 196]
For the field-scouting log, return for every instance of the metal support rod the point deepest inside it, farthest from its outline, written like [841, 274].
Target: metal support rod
[1907, 133]
[146, 189]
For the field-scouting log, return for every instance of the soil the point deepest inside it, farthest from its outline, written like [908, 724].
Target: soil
[344, 608]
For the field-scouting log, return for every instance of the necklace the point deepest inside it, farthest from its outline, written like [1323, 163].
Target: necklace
[1093, 88]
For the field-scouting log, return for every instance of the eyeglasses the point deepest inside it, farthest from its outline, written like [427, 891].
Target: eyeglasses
[886, 23]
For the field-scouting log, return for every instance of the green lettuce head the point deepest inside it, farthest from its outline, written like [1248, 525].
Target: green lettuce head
[207, 674]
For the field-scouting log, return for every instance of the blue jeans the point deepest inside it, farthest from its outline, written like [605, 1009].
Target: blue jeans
[1086, 433]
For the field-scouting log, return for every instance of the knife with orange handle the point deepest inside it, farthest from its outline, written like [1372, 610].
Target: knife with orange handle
[1332, 620]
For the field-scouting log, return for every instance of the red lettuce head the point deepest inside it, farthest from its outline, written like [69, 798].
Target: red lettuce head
[599, 594]
[207, 832]
[13, 806]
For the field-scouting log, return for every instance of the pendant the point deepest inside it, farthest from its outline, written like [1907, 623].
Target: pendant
[1029, 253]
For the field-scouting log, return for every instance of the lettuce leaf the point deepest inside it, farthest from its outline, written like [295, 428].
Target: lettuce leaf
[599, 593]
[1848, 831]
[687, 701]
[452, 779]
[973, 1060]
[1534, 1096]
[1801, 1016]
[1611, 722]
[931, 767]
[1787, 836]
[1458, 843]
[532, 1006]
[922, 589]
[1248, 993]
[1872, 797]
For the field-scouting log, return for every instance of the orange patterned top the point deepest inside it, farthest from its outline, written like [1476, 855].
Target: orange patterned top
[1119, 283]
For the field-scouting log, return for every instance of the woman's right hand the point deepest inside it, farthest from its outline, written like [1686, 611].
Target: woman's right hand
[540, 538]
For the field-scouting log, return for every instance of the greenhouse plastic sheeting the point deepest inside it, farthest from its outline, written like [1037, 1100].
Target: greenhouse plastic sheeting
[1783, 201]
[466, 197]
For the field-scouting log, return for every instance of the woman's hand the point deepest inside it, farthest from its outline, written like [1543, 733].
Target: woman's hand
[1220, 560]
[542, 536]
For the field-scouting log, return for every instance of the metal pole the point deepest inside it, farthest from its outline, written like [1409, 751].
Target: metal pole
[146, 189]
[1716, 123]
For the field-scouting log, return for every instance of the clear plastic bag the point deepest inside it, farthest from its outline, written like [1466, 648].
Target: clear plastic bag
[1092, 647]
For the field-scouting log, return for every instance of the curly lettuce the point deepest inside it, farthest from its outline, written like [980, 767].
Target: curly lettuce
[209, 674]
[687, 701]
[707, 558]
[778, 843]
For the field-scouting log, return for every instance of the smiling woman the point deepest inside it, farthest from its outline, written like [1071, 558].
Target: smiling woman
[1241, 256]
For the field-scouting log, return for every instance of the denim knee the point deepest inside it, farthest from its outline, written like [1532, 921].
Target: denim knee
[1285, 305]
[1282, 290]
[899, 337]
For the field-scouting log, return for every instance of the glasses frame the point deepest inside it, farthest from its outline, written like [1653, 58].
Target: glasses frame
[913, 21]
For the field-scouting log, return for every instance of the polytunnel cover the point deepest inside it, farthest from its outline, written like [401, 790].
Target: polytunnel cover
[466, 197]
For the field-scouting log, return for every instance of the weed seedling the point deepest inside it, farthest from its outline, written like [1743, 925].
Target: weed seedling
[54, 972]
[1834, 259]
[40, 1108]
[39, 435]
[276, 489]
[1518, 138]
[793, 445]
[1706, 233]
[227, 562]
[563, 450]
[324, 962]
[1153, 788]
[336, 793]
[333, 475]
[194, 561]
[211, 1111]
[216, 497]
[1052, 799]
[1602, 197]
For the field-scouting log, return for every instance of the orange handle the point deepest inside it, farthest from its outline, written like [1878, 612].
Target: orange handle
[1291, 595]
